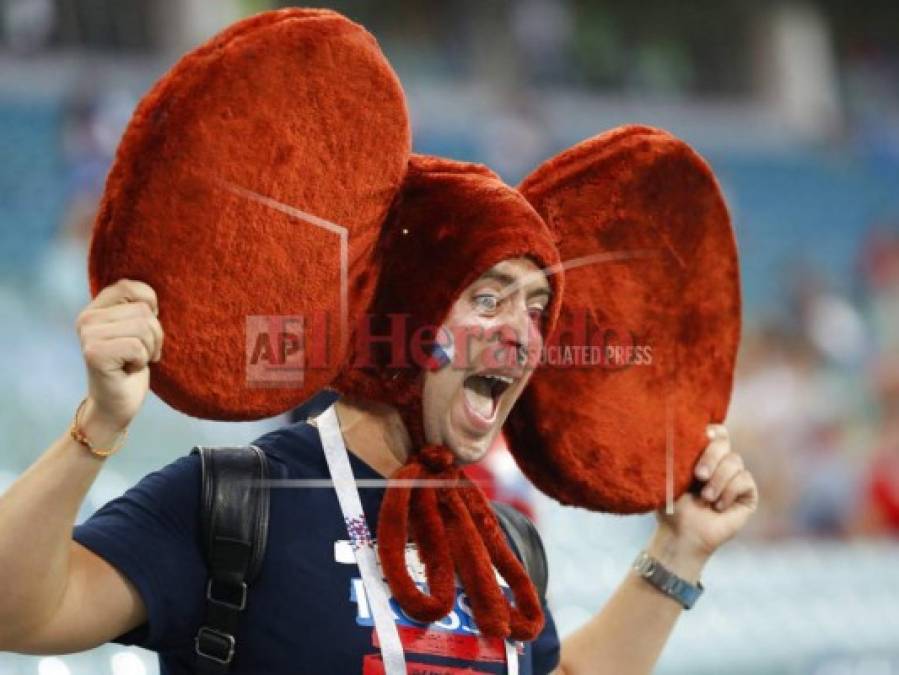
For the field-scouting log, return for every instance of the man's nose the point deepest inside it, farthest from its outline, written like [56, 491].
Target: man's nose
[518, 331]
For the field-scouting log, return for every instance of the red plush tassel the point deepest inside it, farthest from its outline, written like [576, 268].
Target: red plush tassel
[490, 608]
[526, 616]
[392, 537]
[433, 548]
[455, 529]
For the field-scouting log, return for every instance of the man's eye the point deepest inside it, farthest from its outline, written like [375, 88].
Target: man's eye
[538, 316]
[486, 302]
[537, 313]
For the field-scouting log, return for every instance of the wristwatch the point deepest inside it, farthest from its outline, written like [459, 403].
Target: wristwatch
[667, 581]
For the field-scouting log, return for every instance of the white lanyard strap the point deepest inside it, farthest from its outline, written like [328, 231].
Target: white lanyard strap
[361, 542]
[511, 657]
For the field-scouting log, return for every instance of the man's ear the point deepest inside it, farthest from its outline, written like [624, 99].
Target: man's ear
[650, 257]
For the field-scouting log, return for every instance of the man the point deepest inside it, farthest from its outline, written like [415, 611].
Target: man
[441, 244]
[145, 582]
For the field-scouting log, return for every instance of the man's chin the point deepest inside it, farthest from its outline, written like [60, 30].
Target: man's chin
[469, 455]
[470, 450]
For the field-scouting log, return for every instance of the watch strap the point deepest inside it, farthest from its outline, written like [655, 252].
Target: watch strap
[667, 581]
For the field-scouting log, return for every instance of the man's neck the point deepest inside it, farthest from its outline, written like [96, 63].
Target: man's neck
[375, 433]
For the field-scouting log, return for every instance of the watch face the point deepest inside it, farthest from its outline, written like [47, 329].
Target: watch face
[644, 565]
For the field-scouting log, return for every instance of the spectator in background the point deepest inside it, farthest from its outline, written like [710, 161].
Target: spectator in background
[879, 267]
[880, 507]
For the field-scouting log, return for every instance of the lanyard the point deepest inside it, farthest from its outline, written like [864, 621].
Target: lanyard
[363, 547]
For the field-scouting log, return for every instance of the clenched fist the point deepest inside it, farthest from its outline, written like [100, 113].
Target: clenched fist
[729, 497]
[120, 336]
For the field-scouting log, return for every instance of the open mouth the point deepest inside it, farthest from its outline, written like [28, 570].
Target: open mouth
[482, 393]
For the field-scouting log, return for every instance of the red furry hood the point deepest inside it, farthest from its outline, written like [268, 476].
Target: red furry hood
[451, 221]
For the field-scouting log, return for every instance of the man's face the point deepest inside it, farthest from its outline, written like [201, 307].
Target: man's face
[494, 322]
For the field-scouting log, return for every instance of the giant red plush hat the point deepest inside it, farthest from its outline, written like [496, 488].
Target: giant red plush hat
[269, 173]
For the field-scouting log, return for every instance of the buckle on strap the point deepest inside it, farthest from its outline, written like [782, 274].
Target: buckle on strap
[239, 605]
[215, 645]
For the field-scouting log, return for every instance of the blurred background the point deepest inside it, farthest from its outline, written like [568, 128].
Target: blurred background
[795, 105]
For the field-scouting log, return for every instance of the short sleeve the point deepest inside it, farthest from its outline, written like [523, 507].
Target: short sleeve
[546, 648]
[150, 534]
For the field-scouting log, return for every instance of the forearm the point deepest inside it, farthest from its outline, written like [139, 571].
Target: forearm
[37, 514]
[628, 635]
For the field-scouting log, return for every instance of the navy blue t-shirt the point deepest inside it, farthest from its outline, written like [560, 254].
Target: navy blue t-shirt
[307, 611]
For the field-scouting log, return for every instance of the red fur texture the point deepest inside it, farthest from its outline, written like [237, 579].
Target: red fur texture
[670, 282]
[281, 105]
[246, 166]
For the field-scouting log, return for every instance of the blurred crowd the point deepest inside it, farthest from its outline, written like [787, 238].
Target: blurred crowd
[816, 404]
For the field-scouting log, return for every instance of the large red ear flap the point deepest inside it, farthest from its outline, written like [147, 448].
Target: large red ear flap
[643, 354]
[249, 190]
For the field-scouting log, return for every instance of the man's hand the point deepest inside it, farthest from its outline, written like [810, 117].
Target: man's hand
[120, 336]
[700, 524]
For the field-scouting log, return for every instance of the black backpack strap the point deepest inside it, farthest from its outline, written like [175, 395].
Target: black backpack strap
[526, 541]
[234, 529]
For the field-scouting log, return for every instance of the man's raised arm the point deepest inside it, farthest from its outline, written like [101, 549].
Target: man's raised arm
[56, 596]
[628, 635]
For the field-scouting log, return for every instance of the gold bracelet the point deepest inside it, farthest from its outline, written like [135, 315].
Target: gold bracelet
[78, 435]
